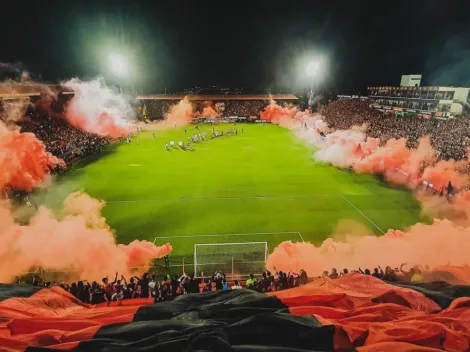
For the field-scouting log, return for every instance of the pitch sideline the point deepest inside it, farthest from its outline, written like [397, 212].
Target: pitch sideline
[233, 234]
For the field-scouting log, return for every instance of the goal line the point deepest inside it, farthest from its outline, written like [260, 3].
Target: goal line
[297, 233]
[234, 259]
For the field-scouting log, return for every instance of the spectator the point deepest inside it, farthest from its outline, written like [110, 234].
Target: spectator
[389, 275]
[378, 274]
[73, 289]
[236, 286]
[303, 277]
[144, 286]
[82, 292]
[250, 283]
[175, 283]
[334, 274]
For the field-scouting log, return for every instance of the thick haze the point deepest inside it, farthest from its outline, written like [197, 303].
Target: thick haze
[257, 44]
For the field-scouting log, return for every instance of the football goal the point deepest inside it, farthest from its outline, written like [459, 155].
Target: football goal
[236, 260]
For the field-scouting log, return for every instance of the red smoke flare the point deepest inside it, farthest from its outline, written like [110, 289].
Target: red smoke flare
[24, 162]
[180, 114]
[275, 113]
[97, 109]
[442, 243]
[80, 243]
[351, 148]
[208, 111]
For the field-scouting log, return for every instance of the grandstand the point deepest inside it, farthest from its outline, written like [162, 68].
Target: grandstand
[254, 97]
[411, 99]
[14, 90]
[243, 106]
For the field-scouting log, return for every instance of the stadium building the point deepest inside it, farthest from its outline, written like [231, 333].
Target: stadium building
[412, 99]
[154, 107]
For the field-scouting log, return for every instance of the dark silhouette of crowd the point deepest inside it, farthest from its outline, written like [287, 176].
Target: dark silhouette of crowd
[450, 138]
[163, 288]
[167, 287]
[414, 274]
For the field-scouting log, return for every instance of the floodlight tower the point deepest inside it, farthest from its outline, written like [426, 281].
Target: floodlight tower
[312, 70]
[118, 66]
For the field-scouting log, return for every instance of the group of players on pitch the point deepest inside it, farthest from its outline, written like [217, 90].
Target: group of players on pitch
[200, 137]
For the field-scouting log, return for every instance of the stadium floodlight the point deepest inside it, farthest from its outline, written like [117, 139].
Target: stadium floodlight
[117, 64]
[312, 68]
[314, 65]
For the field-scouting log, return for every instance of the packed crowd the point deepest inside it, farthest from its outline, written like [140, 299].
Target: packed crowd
[244, 108]
[414, 274]
[166, 287]
[60, 138]
[157, 109]
[149, 286]
[450, 138]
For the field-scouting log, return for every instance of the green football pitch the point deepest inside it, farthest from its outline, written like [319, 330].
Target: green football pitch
[260, 185]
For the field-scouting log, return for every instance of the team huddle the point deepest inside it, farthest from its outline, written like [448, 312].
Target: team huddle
[200, 137]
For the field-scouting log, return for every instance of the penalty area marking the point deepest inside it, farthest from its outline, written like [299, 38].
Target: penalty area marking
[232, 234]
[364, 215]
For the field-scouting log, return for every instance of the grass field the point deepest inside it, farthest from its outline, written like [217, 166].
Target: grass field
[262, 185]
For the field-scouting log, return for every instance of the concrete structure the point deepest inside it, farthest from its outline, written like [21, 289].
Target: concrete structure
[429, 102]
[410, 80]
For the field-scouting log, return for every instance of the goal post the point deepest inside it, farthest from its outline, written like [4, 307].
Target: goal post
[236, 260]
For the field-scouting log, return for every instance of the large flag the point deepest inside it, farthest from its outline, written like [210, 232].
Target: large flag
[353, 312]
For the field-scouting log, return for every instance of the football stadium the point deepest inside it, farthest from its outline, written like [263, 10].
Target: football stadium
[260, 185]
[290, 218]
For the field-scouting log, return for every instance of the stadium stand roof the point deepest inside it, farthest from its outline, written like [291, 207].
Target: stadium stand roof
[218, 97]
[24, 90]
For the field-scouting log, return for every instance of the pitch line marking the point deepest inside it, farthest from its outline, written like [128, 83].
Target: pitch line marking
[194, 196]
[189, 198]
[232, 234]
[364, 215]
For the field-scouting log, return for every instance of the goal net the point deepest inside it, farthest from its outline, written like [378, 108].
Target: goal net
[236, 260]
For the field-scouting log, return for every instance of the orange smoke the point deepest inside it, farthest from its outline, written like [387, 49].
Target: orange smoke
[275, 114]
[208, 111]
[24, 162]
[352, 148]
[180, 114]
[442, 243]
[80, 242]
[97, 109]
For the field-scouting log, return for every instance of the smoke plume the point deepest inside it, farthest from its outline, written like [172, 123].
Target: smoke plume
[24, 161]
[78, 242]
[95, 108]
[352, 148]
[180, 114]
[442, 243]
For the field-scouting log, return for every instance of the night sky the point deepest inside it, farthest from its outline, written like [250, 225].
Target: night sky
[260, 45]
